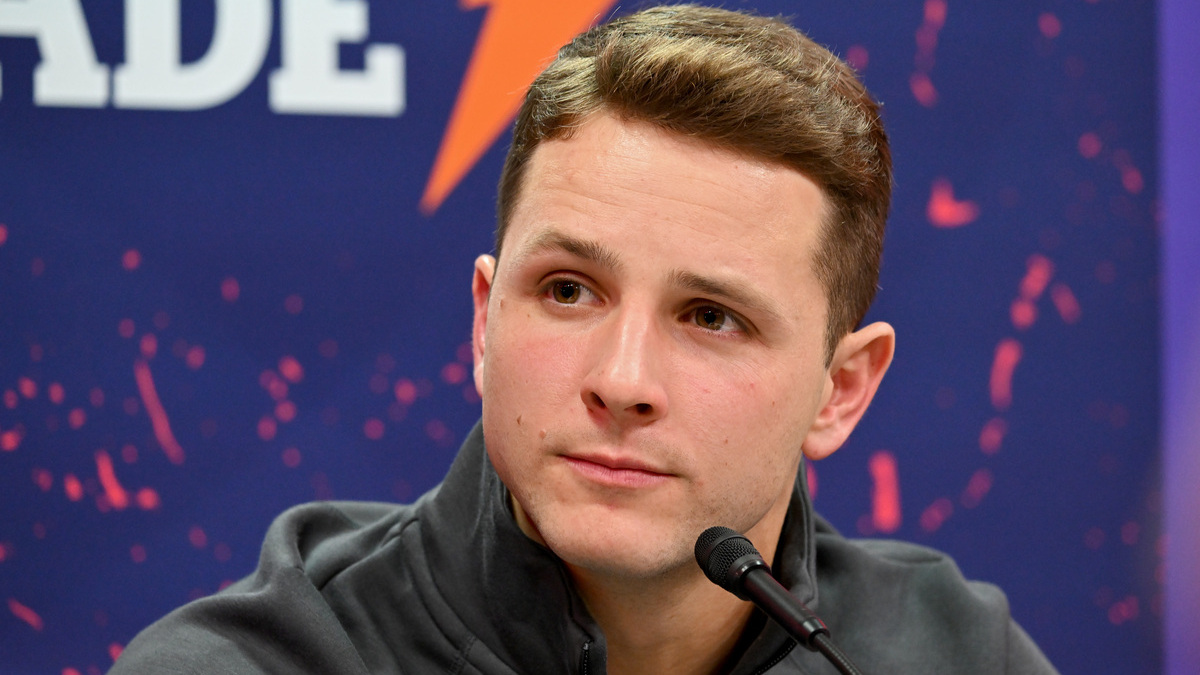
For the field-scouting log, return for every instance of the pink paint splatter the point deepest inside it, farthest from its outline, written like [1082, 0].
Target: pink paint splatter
[1008, 355]
[148, 499]
[149, 345]
[76, 418]
[267, 428]
[406, 391]
[72, 487]
[944, 211]
[373, 429]
[25, 614]
[291, 458]
[291, 370]
[1038, 272]
[935, 13]
[43, 479]
[992, 435]
[1066, 303]
[977, 488]
[1049, 25]
[27, 387]
[230, 289]
[117, 496]
[275, 385]
[936, 514]
[285, 411]
[885, 493]
[158, 415]
[454, 373]
[1124, 610]
[858, 57]
[197, 537]
[1023, 313]
[194, 358]
[1132, 181]
[923, 90]
[293, 304]
[11, 439]
[438, 432]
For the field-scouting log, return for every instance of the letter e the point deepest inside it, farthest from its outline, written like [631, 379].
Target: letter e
[310, 80]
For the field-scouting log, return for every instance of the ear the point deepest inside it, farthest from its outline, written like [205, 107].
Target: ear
[858, 366]
[481, 288]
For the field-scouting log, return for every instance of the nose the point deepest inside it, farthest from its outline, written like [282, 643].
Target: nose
[625, 383]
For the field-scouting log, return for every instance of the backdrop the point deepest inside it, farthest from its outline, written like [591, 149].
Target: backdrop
[235, 254]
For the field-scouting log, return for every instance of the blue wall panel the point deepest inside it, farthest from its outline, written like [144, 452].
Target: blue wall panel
[265, 283]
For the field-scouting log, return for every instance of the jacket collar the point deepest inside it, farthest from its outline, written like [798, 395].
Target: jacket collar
[515, 596]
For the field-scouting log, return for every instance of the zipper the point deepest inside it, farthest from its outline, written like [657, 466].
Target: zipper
[584, 658]
[779, 656]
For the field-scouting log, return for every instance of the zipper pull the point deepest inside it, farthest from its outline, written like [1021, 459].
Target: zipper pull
[585, 658]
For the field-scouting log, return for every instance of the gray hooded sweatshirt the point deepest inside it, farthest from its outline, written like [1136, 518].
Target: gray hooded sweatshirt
[450, 584]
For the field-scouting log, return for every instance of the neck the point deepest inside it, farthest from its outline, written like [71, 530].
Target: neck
[679, 624]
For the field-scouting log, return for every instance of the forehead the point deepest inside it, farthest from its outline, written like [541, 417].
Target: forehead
[611, 169]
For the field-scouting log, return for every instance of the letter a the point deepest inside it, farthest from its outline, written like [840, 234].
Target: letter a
[68, 74]
[154, 77]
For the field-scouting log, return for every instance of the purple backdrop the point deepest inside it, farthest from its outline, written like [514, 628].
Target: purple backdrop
[1180, 140]
[235, 256]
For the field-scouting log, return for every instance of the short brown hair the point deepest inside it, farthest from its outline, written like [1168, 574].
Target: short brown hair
[749, 83]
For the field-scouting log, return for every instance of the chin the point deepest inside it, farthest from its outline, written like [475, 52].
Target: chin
[616, 548]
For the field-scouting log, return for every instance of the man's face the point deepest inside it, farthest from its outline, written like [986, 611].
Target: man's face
[649, 349]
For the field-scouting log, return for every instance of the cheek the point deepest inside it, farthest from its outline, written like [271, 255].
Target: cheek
[752, 425]
[529, 371]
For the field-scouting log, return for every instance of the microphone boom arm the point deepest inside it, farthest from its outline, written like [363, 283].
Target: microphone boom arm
[730, 561]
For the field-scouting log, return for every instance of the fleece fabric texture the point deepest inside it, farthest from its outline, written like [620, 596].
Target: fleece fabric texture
[450, 584]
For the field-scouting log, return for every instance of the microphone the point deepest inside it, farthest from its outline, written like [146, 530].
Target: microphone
[730, 561]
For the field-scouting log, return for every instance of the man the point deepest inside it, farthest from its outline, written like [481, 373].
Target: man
[689, 229]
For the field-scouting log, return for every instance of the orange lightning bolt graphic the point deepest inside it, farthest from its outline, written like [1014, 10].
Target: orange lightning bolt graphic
[516, 41]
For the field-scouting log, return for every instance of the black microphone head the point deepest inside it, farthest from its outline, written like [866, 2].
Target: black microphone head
[726, 556]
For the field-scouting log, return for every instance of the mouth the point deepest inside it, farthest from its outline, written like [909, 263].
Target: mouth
[616, 472]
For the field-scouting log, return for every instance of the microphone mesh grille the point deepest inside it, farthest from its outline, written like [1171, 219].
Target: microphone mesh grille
[717, 549]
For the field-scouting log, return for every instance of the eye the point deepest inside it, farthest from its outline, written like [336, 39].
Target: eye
[715, 319]
[566, 292]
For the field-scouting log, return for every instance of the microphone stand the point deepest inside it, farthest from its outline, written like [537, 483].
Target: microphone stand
[730, 561]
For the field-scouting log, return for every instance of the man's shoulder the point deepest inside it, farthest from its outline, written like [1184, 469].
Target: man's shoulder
[276, 619]
[908, 603]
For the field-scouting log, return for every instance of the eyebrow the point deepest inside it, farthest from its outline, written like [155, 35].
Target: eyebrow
[553, 240]
[732, 291]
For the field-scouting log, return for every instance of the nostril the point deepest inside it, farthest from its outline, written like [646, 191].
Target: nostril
[642, 408]
[597, 401]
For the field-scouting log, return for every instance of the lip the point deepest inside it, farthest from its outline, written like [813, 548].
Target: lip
[620, 472]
